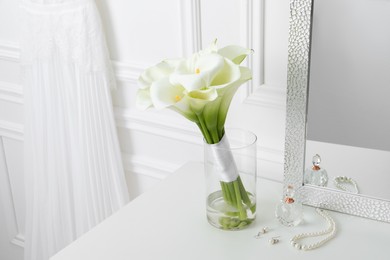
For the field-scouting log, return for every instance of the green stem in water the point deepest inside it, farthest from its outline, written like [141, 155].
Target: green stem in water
[230, 190]
[244, 193]
[240, 208]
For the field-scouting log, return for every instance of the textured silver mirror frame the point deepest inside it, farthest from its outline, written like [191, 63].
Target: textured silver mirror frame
[296, 115]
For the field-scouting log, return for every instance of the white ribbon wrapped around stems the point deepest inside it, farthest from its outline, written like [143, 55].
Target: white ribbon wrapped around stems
[224, 163]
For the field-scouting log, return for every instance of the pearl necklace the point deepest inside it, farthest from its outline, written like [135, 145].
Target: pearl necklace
[330, 232]
[342, 181]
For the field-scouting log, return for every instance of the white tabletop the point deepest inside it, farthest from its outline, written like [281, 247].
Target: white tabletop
[169, 222]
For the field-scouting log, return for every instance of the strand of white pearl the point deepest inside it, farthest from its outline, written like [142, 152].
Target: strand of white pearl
[331, 231]
[338, 182]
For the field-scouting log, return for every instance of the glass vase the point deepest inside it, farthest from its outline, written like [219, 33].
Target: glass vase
[230, 169]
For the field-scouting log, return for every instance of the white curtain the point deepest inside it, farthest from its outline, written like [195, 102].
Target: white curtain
[73, 170]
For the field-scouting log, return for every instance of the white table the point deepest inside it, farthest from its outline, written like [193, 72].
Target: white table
[169, 222]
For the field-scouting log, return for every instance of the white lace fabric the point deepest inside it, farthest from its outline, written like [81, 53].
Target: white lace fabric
[69, 29]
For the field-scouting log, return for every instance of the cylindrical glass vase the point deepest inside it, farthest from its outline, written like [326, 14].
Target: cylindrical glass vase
[230, 169]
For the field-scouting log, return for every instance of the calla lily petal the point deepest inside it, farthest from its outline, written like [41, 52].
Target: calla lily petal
[156, 72]
[189, 81]
[206, 94]
[163, 94]
[227, 94]
[199, 71]
[235, 53]
[183, 107]
[229, 74]
[208, 66]
[143, 100]
[172, 63]
[199, 98]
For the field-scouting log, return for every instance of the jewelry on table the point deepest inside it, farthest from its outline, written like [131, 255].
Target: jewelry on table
[274, 240]
[330, 232]
[343, 182]
[262, 232]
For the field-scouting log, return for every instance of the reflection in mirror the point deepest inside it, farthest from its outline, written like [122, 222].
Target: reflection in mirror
[316, 175]
[348, 117]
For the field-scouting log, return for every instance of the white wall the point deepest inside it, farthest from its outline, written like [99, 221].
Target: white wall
[155, 143]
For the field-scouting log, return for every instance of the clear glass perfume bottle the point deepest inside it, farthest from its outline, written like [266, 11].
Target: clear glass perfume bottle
[289, 211]
[316, 175]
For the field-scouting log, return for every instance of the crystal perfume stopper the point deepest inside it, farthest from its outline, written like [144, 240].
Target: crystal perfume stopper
[289, 196]
[316, 162]
[315, 175]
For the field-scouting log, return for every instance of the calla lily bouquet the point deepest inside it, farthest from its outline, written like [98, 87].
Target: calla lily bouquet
[201, 89]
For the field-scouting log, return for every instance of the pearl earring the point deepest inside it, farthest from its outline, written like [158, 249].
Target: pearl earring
[274, 240]
[261, 232]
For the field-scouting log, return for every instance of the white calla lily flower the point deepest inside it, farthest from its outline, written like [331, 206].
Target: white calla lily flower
[208, 79]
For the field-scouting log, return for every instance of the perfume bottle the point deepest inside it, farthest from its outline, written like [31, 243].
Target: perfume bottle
[316, 175]
[289, 211]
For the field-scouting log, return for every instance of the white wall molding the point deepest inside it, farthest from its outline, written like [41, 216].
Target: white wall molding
[246, 29]
[147, 166]
[8, 202]
[11, 92]
[191, 29]
[128, 72]
[11, 130]
[249, 15]
[9, 51]
[257, 37]
[268, 96]
[156, 124]
[18, 240]
[258, 92]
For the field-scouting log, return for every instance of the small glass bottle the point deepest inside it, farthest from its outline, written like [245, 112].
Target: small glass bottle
[289, 211]
[315, 175]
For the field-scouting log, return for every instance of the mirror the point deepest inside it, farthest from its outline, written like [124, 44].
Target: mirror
[337, 103]
[348, 121]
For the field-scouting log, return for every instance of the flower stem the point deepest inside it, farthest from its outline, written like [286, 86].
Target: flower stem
[230, 190]
[241, 210]
[244, 194]
[214, 135]
[204, 129]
